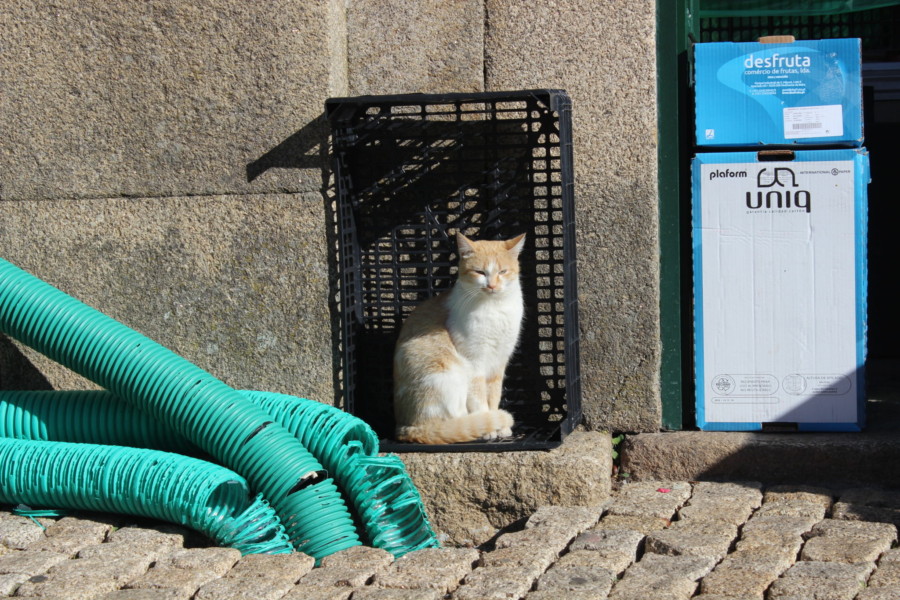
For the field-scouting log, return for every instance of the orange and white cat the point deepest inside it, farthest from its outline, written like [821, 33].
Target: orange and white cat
[453, 350]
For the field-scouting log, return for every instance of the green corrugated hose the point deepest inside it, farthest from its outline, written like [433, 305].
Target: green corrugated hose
[379, 489]
[148, 483]
[190, 401]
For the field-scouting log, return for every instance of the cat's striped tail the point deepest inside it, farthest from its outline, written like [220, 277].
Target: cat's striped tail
[491, 424]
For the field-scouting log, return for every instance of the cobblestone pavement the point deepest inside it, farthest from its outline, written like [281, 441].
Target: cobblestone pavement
[650, 541]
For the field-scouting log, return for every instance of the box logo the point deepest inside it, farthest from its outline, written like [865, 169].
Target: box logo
[777, 61]
[780, 176]
[782, 180]
[726, 173]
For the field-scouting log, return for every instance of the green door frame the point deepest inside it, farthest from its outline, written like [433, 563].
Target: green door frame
[676, 26]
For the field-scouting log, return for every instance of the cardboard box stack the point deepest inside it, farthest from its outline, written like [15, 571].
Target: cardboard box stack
[779, 236]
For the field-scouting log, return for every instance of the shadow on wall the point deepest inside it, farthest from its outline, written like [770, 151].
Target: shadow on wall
[305, 149]
[18, 372]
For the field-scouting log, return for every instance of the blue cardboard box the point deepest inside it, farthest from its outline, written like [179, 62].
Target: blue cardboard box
[785, 94]
[779, 266]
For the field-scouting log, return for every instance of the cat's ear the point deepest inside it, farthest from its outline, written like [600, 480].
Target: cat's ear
[515, 245]
[466, 249]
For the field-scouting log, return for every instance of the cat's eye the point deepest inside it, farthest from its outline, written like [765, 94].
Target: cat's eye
[504, 271]
[477, 272]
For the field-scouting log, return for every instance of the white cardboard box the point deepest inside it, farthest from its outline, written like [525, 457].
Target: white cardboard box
[780, 290]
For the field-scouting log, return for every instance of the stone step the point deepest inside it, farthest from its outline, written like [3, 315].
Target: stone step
[871, 458]
[471, 495]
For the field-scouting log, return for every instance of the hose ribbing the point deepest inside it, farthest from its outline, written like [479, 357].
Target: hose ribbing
[149, 483]
[190, 401]
[379, 489]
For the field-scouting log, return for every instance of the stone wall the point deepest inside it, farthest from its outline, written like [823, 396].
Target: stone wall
[163, 161]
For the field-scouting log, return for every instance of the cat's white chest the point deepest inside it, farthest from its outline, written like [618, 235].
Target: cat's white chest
[485, 332]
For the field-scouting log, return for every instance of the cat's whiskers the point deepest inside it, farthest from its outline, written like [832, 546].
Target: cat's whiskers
[468, 297]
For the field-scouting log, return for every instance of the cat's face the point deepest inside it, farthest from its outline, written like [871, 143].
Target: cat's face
[489, 267]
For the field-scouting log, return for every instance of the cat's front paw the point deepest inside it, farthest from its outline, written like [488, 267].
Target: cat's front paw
[498, 434]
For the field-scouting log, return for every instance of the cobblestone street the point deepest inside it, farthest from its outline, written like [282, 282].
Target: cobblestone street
[651, 540]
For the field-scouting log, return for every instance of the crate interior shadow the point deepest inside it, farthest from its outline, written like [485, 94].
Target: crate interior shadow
[410, 188]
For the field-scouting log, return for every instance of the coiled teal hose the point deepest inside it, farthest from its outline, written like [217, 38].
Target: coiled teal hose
[149, 483]
[192, 402]
[379, 488]
[386, 501]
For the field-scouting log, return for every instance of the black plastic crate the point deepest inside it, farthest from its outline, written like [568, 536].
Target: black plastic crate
[409, 172]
